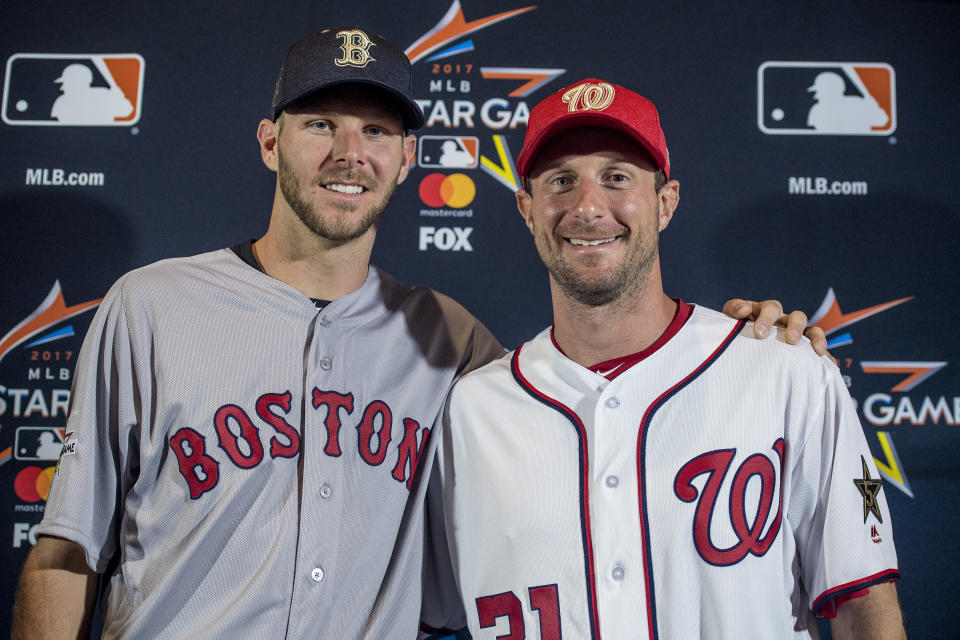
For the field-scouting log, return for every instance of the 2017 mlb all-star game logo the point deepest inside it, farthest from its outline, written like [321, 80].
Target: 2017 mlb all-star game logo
[471, 111]
[890, 407]
[74, 89]
[459, 103]
[37, 358]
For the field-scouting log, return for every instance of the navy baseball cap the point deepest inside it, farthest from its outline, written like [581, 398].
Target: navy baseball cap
[348, 55]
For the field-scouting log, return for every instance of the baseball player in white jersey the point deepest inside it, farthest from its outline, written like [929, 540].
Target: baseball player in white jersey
[249, 433]
[647, 468]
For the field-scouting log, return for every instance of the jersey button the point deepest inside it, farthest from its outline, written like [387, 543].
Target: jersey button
[613, 481]
[317, 574]
[325, 364]
[617, 573]
[325, 491]
[612, 403]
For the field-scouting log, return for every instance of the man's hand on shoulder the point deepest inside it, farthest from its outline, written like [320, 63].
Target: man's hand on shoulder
[770, 312]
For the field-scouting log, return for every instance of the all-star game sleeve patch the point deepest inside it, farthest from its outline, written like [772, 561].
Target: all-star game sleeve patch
[69, 448]
[869, 488]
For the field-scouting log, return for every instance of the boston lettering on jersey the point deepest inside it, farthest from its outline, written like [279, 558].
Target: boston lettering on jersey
[202, 471]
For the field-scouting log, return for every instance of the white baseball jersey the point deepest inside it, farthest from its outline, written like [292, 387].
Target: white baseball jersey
[721, 488]
[241, 464]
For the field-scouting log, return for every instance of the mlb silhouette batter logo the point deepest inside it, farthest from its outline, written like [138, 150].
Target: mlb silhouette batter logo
[37, 443]
[449, 152]
[826, 98]
[85, 89]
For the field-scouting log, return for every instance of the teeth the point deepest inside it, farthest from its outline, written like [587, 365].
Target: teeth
[345, 188]
[590, 243]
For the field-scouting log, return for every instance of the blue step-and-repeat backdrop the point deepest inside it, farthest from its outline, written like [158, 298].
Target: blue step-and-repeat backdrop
[815, 143]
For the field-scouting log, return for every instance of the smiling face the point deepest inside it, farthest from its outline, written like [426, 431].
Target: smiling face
[339, 155]
[595, 214]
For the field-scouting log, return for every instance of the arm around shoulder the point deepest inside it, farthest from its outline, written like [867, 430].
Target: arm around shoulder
[875, 616]
[56, 594]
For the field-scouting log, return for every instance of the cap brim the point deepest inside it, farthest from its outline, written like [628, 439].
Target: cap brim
[410, 111]
[528, 154]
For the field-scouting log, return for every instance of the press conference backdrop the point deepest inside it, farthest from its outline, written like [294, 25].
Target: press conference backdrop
[815, 143]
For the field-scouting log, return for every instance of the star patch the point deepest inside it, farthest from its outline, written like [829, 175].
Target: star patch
[869, 488]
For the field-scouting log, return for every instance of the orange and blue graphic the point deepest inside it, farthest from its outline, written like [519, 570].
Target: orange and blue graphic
[532, 79]
[826, 98]
[76, 89]
[445, 40]
[882, 409]
[452, 26]
[916, 372]
[52, 311]
[831, 319]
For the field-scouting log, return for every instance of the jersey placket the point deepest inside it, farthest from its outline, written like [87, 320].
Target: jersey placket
[618, 550]
[321, 500]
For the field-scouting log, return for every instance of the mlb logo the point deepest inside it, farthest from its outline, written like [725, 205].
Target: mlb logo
[37, 443]
[77, 89]
[449, 152]
[826, 98]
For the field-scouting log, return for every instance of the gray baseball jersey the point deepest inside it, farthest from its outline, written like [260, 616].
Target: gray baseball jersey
[720, 488]
[242, 464]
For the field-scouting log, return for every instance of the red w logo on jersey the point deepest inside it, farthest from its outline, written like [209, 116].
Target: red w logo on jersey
[749, 532]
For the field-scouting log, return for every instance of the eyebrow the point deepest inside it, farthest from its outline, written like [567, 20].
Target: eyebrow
[560, 164]
[320, 112]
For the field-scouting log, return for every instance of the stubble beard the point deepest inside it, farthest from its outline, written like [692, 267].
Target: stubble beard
[336, 228]
[630, 276]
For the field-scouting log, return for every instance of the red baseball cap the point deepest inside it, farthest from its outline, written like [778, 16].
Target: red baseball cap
[594, 103]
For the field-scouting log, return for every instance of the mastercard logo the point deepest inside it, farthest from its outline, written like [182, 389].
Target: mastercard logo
[455, 190]
[32, 484]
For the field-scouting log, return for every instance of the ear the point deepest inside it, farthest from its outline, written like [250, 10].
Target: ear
[525, 207]
[409, 153]
[669, 198]
[267, 136]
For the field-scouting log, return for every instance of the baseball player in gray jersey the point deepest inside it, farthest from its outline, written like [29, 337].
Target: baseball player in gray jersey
[250, 428]
[647, 468]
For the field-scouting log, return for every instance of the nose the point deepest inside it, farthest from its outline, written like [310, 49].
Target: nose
[588, 204]
[348, 148]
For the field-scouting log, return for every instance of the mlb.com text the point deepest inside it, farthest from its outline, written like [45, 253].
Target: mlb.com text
[823, 186]
[60, 177]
